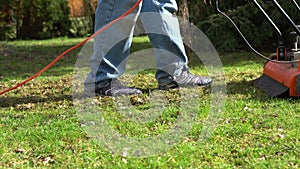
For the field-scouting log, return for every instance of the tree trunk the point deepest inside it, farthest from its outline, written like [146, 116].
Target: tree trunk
[184, 23]
[184, 12]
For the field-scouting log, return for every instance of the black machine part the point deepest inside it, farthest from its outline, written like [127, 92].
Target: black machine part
[271, 86]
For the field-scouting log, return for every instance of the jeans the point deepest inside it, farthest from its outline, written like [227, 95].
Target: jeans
[112, 47]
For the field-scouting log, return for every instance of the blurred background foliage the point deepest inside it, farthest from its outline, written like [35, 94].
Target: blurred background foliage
[34, 19]
[44, 19]
[249, 19]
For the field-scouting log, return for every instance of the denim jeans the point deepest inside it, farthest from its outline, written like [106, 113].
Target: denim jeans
[112, 47]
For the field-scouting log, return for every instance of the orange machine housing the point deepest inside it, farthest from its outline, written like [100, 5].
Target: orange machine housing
[286, 74]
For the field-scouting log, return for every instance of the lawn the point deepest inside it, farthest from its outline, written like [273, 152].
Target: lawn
[40, 126]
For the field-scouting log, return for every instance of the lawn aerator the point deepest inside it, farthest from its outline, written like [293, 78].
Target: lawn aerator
[281, 74]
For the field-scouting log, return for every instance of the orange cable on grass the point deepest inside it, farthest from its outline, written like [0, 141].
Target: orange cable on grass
[72, 48]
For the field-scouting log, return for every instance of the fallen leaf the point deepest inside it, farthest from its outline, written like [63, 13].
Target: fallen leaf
[19, 150]
[124, 160]
[48, 160]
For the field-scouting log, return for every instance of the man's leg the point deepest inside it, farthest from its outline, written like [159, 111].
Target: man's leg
[162, 27]
[111, 47]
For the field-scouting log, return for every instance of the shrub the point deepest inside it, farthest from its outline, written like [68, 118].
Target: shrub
[41, 19]
[7, 32]
[251, 22]
[81, 26]
[7, 26]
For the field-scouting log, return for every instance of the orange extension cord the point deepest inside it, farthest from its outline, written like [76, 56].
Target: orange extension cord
[73, 48]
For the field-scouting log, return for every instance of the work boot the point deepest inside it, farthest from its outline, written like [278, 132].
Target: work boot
[186, 79]
[113, 87]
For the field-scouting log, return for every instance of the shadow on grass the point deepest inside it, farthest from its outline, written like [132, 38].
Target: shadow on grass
[250, 90]
[241, 87]
[23, 61]
[21, 102]
[246, 89]
[235, 59]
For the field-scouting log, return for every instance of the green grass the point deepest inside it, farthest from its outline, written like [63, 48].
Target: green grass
[39, 127]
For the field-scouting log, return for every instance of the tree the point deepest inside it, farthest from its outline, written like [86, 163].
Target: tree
[38, 19]
[7, 21]
[248, 18]
[184, 12]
